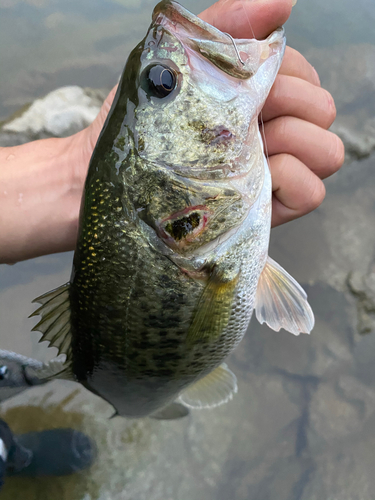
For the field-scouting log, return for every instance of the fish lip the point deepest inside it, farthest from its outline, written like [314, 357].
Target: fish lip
[276, 36]
[176, 13]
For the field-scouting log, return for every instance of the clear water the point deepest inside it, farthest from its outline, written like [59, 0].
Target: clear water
[302, 424]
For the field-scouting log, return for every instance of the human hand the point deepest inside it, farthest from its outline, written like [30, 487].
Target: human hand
[296, 115]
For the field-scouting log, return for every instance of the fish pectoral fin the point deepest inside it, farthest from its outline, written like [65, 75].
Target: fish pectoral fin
[215, 389]
[55, 322]
[281, 302]
[171, 412]
[213, 310]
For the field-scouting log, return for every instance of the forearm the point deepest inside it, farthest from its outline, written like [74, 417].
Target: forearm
[40, 192]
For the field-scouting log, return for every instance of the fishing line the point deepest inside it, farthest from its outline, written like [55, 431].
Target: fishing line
[261, 122]
[247, 17]
[261, 113]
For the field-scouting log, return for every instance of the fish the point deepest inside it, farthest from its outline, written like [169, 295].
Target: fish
[172, 252]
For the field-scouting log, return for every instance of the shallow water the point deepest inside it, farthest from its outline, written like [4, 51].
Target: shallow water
[302, 424]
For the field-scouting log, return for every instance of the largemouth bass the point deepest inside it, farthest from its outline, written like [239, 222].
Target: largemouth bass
[172, 253]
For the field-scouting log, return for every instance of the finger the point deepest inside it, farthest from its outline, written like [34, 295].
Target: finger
[291, 96]
[319, 149]
[244, 19]
[294, 64]
[296, 189]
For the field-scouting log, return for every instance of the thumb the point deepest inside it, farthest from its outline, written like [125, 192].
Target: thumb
[248, 18]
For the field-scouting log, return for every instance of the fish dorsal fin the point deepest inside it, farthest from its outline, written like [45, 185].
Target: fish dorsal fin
[171, 412]
[55, 322]
[281, 302]
[213, 311]
[215, 389]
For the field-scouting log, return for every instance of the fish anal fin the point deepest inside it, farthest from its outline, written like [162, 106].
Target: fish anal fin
[55, 319]
[215, 389]
[281, 302]
[171, 412]
[214, 309]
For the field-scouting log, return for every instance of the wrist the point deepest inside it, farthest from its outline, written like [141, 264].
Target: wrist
[40, 194]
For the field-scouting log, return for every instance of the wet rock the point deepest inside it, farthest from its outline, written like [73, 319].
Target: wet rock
[60, 113]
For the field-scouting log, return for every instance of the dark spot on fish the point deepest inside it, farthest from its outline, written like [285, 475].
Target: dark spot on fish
[142, 346]
[120, 144]
[180, 228]
[169, 343]
[141, 144]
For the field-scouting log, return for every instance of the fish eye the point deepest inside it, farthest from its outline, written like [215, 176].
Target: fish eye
[158, 80]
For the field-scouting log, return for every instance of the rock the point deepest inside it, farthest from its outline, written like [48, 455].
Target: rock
[61, 113]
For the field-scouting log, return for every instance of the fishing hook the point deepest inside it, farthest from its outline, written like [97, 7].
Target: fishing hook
[235, 48]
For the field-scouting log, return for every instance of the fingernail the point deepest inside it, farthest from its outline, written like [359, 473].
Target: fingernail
[294, 2]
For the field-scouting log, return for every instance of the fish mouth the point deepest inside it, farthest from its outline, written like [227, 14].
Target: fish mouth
[184, 227]
[240, 58]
